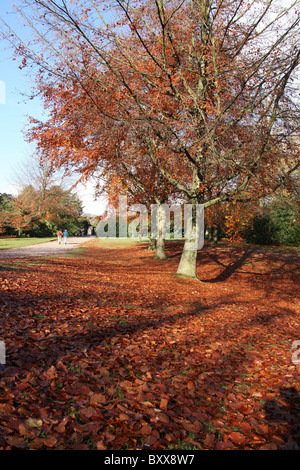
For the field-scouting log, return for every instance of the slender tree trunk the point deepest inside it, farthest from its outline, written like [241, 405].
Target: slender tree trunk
[188, 261]
[160, 252]
[152, 244]
[215, 235]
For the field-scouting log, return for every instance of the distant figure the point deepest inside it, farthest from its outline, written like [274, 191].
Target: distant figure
[65, 236]
[59, 236]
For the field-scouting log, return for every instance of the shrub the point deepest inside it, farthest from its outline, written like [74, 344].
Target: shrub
[277, 224]
[260, 231]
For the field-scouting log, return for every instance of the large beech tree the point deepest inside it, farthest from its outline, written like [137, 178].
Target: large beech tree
[205, 86]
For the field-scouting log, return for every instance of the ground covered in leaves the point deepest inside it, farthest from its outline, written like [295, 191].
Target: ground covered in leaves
[108, 349]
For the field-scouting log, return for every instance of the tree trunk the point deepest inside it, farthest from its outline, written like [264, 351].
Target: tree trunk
[152, 244]
[193, 231]
[160, 252]
[188, 262]
[215, 235]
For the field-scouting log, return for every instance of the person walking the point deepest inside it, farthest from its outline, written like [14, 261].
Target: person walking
[65, 236]
[59, 236]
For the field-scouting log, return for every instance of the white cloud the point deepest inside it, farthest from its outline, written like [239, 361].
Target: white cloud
[10, 189]
[91, 205]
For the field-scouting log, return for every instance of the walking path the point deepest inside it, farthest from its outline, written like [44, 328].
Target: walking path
[44, 249]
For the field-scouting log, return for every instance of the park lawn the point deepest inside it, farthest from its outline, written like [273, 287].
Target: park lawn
[118, 243]
[6, 243]
[109, 349]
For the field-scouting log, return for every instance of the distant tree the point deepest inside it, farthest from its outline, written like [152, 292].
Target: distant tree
[41, 213]
[6, 208]
[24, 213]
[60, 208]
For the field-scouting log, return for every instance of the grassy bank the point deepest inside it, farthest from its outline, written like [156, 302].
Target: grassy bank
[7, 243]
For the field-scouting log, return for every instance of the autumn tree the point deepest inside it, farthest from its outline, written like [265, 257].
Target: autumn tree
[38, 213]
[206, 86]
[6, 209]
[113, 153]
[132, 173]
[58, 208]
[38, 173]
[24, 213]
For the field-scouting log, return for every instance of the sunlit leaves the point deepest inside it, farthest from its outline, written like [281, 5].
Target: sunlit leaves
[108, 349]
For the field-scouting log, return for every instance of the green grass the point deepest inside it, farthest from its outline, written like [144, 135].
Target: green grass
[6, 243]
[81, 250]
[19, 265]
[117, 243]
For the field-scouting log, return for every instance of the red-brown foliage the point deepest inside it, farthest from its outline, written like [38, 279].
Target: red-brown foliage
[109, 350]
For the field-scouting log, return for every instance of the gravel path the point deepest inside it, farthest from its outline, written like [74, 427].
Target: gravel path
[44, 249]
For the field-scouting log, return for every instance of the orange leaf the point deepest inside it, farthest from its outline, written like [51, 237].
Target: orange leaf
[97, 399]
[237, 438]
[100, 445]
[163, 404]
[146, 429]
[50, 441]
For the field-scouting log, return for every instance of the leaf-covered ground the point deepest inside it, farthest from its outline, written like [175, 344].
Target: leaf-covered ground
[108, 349]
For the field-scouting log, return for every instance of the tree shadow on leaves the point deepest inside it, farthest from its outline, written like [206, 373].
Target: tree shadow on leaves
[231, 261]
[286, 410]
[231, 267]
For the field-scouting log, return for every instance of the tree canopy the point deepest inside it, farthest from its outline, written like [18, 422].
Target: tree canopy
[199, 94]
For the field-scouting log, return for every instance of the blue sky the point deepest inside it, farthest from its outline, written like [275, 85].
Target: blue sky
[14, 109]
